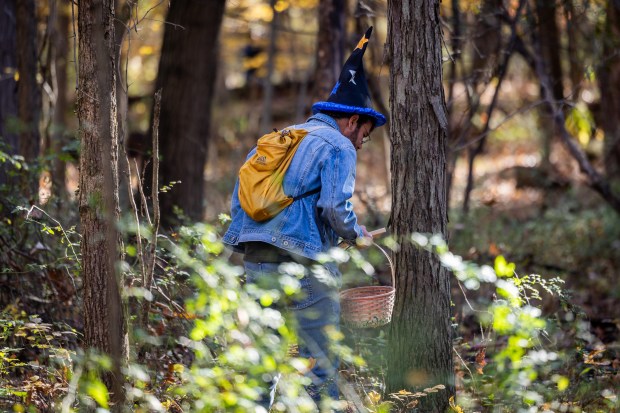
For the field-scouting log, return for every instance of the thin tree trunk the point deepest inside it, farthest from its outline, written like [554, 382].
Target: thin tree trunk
[330, 47]
[548, 37]
[8, 85]
[455, 39]
[104, 328]
[487, 51]
[266, 118]
[420, 335]
[59, 121]
[122, 31]
[609, 84]
[187, 80]
[29, 94]
[374, 86]
[574, 50]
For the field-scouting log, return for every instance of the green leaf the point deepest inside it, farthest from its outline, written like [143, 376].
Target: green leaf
[98, 391]
[563, 383]
[131, 250]
[504, 268]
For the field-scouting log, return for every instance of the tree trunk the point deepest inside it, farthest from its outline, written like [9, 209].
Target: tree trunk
[29, 95]
[485, 66]
[187, 79]
[455, 40]
[267, 112]
[104, 328]
[609, 84]
[330, 47]
[550, 46]
[420, 342]
[9, 140]
[59, 130]
[574, 46]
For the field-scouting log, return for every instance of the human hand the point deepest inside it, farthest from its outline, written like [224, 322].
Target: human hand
[366, 240]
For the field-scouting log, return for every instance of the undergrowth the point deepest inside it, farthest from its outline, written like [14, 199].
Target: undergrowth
[521, 342]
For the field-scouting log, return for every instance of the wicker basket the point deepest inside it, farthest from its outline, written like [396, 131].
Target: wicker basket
[371, 306]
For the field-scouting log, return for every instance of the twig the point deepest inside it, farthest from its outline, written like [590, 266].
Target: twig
[155, 199]
[499, 125]
[59, 226]
[134, 208]
[173, 303]
[350, 394]
[145, 206]
[176, 26]
[467, 368]
[138, 21]
[67, 402]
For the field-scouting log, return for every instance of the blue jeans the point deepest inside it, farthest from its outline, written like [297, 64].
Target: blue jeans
[316, 309]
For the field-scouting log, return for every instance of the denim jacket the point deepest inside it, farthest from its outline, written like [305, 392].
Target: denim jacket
[325, 159]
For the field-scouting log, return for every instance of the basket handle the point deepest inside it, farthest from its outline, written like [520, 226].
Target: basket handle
[378, 231]
[390, 263]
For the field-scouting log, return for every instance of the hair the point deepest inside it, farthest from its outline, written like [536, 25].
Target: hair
[342, 115]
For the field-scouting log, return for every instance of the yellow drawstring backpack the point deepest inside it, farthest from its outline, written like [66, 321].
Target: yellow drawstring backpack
[260, 178]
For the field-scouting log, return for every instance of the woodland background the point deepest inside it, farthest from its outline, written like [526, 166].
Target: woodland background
[532, 91]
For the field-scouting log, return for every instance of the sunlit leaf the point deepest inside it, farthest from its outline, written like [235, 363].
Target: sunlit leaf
[504, 268]
[98, 391]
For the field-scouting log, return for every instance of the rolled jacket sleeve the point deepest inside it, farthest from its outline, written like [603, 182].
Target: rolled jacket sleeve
[338, 184]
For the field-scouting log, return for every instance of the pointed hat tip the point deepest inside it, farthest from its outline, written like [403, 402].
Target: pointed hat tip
[364, 40]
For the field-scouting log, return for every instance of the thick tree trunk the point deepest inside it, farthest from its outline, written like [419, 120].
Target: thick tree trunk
[9, 139]
[420, 342]
[330, 47]
[187, 77]
[609, 83]
[98, 194]
[29, 94]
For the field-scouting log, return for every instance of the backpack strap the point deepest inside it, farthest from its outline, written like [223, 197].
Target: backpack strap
[316, 190]
[307, 194]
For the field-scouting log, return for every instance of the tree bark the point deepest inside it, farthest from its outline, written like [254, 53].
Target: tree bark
[420, 342]
[59, 130]
[267, 110]
[548, 37]
[29, 94]
[330, 47]
[574, 47]
[187, 80]
[8, 85]
[609, 84]
[104, 328]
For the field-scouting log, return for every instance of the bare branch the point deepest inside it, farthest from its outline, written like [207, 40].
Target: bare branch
[597, 182]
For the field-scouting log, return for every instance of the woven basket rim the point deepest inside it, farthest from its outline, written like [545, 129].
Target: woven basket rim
[345, 294]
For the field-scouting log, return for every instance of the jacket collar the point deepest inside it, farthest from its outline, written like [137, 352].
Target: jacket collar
[321, 117]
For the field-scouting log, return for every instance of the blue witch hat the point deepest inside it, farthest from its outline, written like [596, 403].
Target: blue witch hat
[350, 95]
